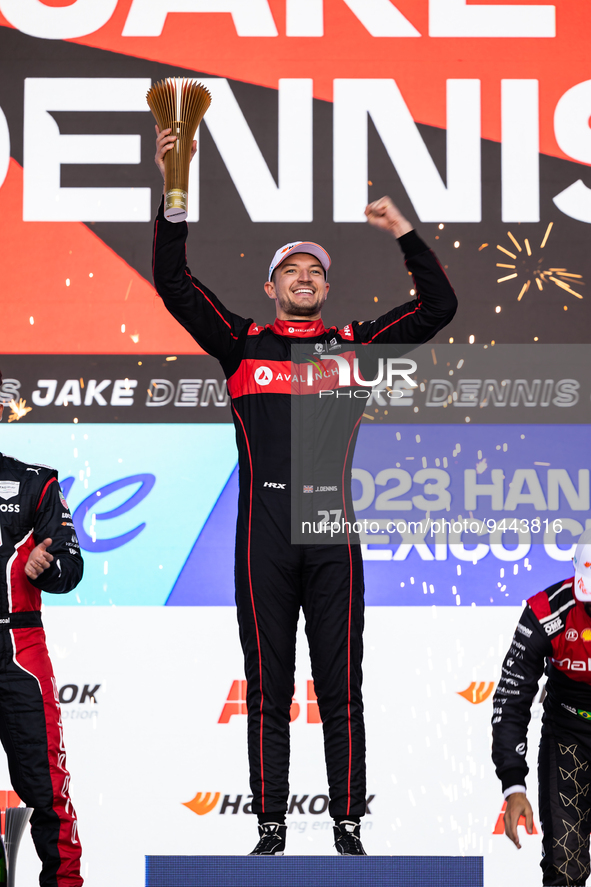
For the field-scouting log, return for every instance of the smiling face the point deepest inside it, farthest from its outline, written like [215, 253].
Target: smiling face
[298, 287]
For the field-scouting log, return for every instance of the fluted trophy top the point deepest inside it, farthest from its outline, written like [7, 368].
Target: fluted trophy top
[179, 100]
[178, 104]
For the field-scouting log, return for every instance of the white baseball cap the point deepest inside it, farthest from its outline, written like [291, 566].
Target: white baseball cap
[300, 246]
[582, 562]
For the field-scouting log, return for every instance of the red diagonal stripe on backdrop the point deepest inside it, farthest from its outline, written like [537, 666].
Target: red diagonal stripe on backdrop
[208, 42]
[86, 316]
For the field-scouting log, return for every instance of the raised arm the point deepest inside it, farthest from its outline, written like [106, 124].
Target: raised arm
[201, 313]
[435, 303]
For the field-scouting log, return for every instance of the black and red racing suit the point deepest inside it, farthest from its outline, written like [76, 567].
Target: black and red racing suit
[275, 578]
[552, 635]
[32, 508]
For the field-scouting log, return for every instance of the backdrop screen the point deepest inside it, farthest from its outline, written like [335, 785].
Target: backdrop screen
[474, 118]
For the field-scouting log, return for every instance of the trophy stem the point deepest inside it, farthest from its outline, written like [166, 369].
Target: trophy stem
[176, 166]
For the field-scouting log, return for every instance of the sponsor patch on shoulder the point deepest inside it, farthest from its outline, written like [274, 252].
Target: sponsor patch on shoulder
[553, 626]
[523, 630]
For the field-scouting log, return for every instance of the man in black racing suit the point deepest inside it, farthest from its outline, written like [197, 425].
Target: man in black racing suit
[274, 577]
[553, 634]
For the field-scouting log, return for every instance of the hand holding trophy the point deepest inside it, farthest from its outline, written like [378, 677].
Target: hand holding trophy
[178, 104]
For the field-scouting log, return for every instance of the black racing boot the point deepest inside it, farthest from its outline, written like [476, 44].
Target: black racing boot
[271, 839]
[347, 840]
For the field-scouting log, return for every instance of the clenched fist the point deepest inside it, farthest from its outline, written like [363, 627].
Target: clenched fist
[39, 560]
[384, 214]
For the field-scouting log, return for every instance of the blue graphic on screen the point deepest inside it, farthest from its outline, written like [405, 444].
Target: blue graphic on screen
[155, 509]
[207, 578]
[139, 495]
[518, 473]
[406, 474]
[92, 505]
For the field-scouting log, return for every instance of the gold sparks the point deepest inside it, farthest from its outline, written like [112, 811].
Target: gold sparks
[510, 236]
[546, 235]
[553, 274]
[560, 277]
[18, 410]
[565, 286]
[524, 289]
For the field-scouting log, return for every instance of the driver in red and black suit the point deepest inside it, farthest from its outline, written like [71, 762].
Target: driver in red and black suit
[38, 551]
[275, 578]
[552, 635]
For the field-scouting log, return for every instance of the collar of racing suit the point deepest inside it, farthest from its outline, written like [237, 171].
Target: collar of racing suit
[299, 328]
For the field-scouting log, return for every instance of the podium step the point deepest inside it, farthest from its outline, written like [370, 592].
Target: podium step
[314, 871]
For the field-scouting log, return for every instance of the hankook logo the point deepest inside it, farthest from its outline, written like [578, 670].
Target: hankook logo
[477, 692]
[205, 802]
[263, 376]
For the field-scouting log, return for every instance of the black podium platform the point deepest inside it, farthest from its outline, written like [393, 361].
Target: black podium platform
[314, 871]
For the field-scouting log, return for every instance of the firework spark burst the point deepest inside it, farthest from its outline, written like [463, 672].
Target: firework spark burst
[18, 410]
[533, 270]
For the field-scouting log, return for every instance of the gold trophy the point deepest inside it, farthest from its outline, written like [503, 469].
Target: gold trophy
[178, 104]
